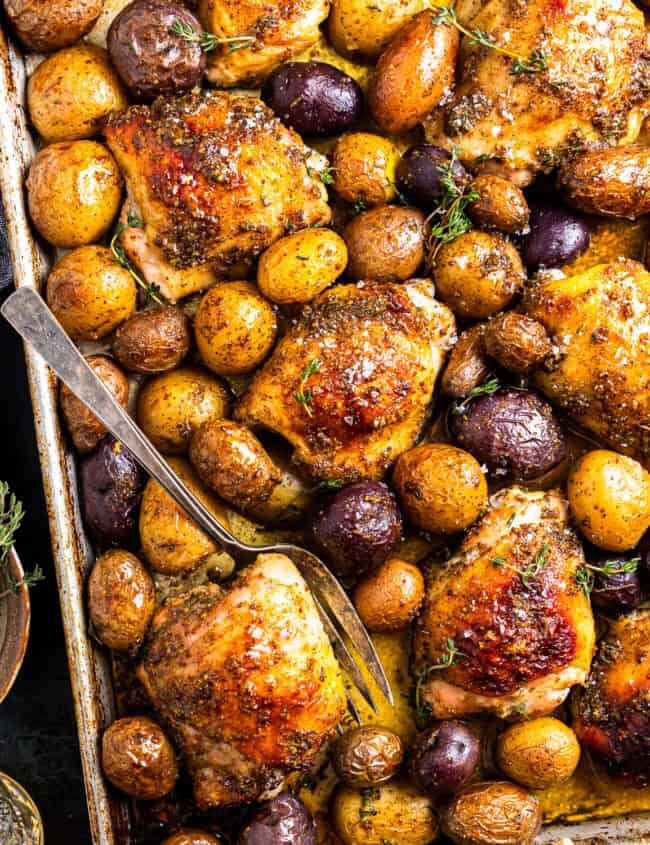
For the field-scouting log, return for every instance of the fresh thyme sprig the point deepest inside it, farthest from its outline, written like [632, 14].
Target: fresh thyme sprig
[151, 291]
[486, 389]
[585, 578]
[360, 205]
[534, 63]
[207, 41]
[450, 657]
[304, 394]
[11, 517]
[449, 219]
[326, 175]
[529, 572]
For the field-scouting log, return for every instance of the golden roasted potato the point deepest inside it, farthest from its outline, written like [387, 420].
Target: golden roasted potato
[366, 756]
[517, 342]
[538, 753]
[121, 600]
[501, 205]
[190, 837]
[468, 365]
[609, 497]
[74, 191]
[441, 488]
[492, 813]
[171, 541]
[364, 168]
[72, 91]
[413, 73]
[153, 341]
[85, 429]
[478, 274]
[173, 405]
[356, 28]
[89, 293]
[385, 244]
[389, 598]
[300, 266]
[49, 24]
[393, 812]
[235, 328]
[612, 182]
[138, 758]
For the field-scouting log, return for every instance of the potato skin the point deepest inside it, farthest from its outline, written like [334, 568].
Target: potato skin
[401, 814]
[190, 837]
[609, 497]
[501, 205]
[89, 293]
[367, 756]
[72, 91]
[356, 29]
[468, 365]
[413, 73]
[121, 600]
[385, 244]
[613, 182]
[138, 758]
[364, 168]
[300, 266]
[235, 328]
[492, 813]
[85, 429]
[171, 541]
[389, 598]
[172, 405]
[441, 488]
[517, 342]
[538, 753]
[74, 191]
[477, 274]
[49, 25]
[153, 341]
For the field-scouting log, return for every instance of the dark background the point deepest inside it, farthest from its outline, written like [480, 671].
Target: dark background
[38, 738]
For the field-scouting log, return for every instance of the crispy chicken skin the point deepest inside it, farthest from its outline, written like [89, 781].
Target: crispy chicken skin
[612, 712]
[523, 641]
[281, 29]
[246, 681]
[215, 179]
[599, 322]
[374, 352]
[594, 87]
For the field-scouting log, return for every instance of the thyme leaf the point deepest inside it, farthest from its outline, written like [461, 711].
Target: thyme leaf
[449, 219]
[326, 175]
[486, 389]
[449, 657]
[585, 578]
[151, 291]
[207, 41]
[11, 517]
[529, 572]
[360, 205]
[304, 395]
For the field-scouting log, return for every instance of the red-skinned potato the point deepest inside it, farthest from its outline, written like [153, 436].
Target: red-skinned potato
[138, 758]
[49, 24]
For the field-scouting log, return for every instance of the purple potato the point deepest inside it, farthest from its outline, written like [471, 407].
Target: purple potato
[418, 174]
[617, 592]
[444, 758]
[557, 235]
[111, 488]
[513, 432]
[149, 57]
[644, 554]
[358, 528]
[314, 98]
[283, 820]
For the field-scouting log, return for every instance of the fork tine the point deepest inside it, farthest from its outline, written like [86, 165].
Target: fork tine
[344, 657]
[352, 707]
[332, 595]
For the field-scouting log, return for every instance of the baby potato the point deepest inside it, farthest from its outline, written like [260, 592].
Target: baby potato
[609, 497]
[71, 92]
[173, 405]
[89, 293]
[492, 813]
[364, 168]
[74, 191]
[235, 328]
[121, 600]
[299, 267]
[190, 837]
[478, 274]
[468, 365]
[501, 205]
[538, 753]
[441, 488]
[389, 598]
[52, 24]
[355, 28]
[85, 429]
[171, 541]
[413, 73]
[385, 244]
[367, 756]
[517, 342]
[393, 812]
[153, 341]
[138, 758]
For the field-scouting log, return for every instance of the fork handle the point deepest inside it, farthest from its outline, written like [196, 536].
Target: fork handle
[27, 312]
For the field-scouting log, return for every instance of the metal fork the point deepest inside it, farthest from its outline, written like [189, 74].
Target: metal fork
[27, 312]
